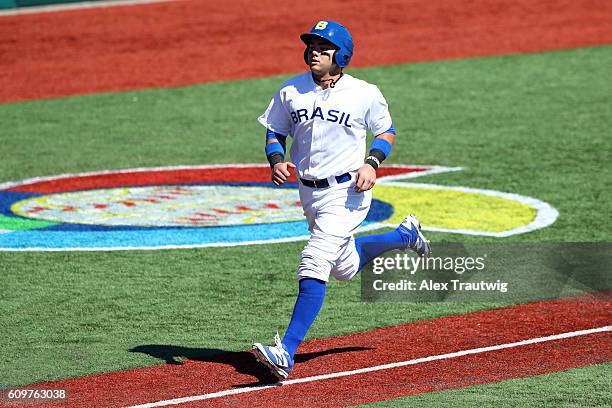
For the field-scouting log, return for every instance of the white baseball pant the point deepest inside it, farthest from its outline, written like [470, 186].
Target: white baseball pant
[333, 215]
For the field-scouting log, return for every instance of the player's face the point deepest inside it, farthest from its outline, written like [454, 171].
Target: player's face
[321, 57]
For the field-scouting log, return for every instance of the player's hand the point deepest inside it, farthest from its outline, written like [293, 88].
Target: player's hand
[280, 172]
[365, 179]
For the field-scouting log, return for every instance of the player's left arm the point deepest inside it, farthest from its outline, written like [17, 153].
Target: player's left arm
[380, 149]
[378, 120]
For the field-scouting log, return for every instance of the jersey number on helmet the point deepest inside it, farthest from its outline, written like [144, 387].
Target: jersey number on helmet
[321, 25]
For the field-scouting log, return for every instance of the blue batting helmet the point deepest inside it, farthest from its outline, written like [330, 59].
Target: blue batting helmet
[336, 34]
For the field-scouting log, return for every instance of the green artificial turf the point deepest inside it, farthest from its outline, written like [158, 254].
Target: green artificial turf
[536, 125]
[576, 388]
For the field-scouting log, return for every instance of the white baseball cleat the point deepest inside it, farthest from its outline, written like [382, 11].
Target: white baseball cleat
[276, 358]
[411, 229]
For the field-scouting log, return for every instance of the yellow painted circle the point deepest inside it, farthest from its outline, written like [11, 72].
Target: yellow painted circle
[452, 209]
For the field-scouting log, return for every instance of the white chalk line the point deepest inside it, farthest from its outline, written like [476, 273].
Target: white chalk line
[478, 350]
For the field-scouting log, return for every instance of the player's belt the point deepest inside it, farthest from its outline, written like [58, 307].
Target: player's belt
[324, 183]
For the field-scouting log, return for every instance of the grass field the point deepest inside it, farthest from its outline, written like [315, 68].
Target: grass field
[537, 125]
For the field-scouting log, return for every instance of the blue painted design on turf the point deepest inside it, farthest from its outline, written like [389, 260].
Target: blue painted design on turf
[8, 198]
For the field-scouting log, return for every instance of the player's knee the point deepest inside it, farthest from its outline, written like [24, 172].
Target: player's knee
[319, 256]
[343, 278]
[345, 274]
[347, 265]
[312, 266]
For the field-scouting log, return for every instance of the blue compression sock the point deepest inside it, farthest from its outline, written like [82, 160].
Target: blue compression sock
[307, 306]
[370, 246]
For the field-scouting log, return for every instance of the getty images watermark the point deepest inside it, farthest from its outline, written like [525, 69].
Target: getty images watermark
[412, 264]
[489, 272]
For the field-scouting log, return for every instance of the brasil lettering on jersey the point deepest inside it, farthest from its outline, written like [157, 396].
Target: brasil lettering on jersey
[332, 115]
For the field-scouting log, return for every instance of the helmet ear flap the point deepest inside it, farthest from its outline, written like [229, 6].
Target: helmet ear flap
[333, 60]
[344, 58]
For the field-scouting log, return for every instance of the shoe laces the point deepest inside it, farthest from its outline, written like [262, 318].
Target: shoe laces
[277, 342]
[419, 243]
[282, 355]
[414, 229]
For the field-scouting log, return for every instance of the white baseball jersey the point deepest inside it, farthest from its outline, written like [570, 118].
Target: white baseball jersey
[328, 126]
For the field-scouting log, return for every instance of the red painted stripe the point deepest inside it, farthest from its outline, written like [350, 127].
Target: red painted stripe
[159, 45]
[37, 209]
[211, 175]
[366, 349]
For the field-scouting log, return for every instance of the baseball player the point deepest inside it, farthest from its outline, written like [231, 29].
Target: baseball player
[327, 113]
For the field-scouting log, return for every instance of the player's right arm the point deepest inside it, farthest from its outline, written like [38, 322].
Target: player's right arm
[278, 123]
[275, 152]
